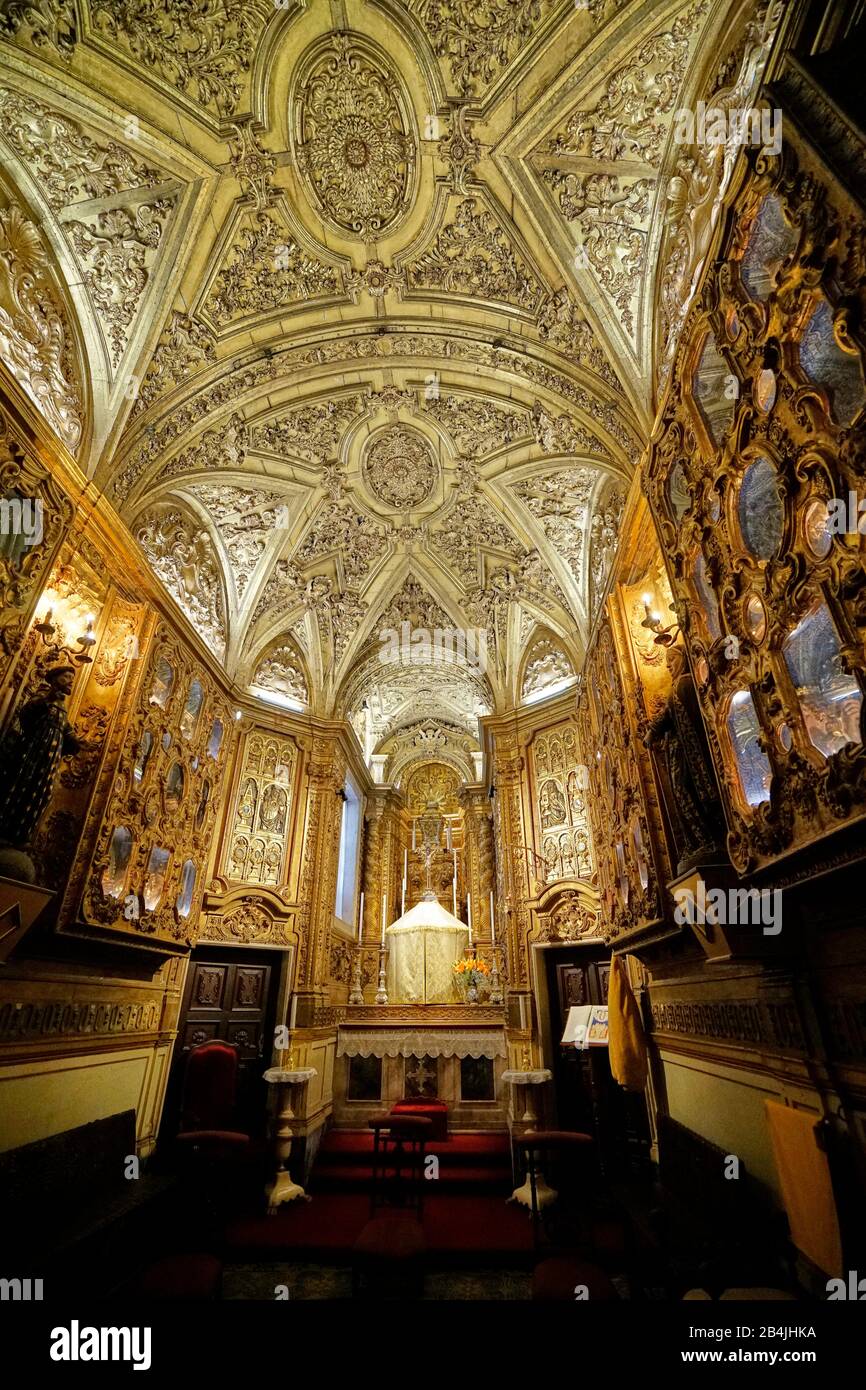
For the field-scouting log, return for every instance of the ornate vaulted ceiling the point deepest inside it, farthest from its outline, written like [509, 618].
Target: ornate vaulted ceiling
[358, 312]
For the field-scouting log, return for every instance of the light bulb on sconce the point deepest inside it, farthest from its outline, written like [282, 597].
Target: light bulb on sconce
[47, 630]
[652, 621]
[88, 637]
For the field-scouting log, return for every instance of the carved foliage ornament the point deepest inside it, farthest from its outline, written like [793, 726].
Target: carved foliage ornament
[614, 797]
[34, 335]
[204, 50]
[45, 23]
[280, 672]
[354, 137]
[400, 468]
[479, 38]
[181, 553]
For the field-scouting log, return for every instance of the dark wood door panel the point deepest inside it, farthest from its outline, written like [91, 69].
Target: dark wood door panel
[232, 999]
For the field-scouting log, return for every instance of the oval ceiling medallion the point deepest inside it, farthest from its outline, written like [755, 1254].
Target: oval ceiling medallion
[400, 468]
[354, 136]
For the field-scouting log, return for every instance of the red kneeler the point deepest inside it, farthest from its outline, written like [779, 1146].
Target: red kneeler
[436, 1111]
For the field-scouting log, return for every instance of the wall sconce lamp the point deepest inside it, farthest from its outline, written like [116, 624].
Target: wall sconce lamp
[47, 631]
[652, 621]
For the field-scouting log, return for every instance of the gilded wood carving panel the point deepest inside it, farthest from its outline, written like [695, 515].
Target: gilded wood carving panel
[755, 481]
[154, 843]
[256, 849]
[562, 830]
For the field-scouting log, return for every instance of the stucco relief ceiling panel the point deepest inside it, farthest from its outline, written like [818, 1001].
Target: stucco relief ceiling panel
[267, 267]
[354, 136]
[400, 468]
[382, 320]
[202, 53]
[114, 209]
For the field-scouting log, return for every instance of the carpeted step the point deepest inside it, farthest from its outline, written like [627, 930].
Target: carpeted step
[337, 1178]
[456, 1227]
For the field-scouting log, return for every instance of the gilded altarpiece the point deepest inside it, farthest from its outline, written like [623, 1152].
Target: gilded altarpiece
[562, 828]
[156, 835]
[261, 827]
[754, 481]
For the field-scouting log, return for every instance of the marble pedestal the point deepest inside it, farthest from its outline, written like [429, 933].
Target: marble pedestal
[524, 1117]
[281, 1188]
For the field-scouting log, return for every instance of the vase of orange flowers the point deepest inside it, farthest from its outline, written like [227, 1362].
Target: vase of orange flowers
[470, 972]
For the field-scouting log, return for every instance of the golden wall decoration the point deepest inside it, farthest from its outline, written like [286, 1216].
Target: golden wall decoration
[609, 722]
[156, 835]
[755, 481]
[255, 851]
[562, 828]
[28, 493]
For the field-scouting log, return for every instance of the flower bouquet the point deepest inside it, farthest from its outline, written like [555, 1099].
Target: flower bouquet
[470, 972]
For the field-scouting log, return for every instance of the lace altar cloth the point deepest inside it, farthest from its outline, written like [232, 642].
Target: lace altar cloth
[406, 1042]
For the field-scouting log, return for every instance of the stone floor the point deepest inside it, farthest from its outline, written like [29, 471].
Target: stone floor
[314, 1281]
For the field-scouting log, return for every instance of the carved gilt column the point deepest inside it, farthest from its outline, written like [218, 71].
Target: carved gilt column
[513, 887]
[318, 884]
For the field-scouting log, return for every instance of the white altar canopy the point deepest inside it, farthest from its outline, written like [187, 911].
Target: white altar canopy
[423, 945]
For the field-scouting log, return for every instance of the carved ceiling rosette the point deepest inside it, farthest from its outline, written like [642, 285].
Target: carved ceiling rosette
[399, 467]
[354, 136]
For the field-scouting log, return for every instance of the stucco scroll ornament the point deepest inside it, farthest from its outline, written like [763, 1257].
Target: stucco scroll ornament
[355, 149]
[400, 468]
[44, 22]
[202, 48]
[34, 340]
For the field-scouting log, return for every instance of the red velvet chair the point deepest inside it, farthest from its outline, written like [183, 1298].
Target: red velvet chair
[568, 1161]
[209, 1096]
[390, 1249]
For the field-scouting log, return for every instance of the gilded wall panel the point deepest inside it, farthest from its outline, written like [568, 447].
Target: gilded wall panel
[562, 829]
[255, 850]
[756, 480]
[153, 847]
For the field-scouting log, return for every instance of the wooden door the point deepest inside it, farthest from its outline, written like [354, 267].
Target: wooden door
[229, 995]
[575, 975]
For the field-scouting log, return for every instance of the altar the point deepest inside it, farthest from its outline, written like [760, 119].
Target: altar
[423, 946]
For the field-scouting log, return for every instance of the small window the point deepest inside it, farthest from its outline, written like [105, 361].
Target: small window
[476, 1078]
[350, 845]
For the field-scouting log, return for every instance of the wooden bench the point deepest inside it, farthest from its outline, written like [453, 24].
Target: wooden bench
[715, 1231]
[70, 1215]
